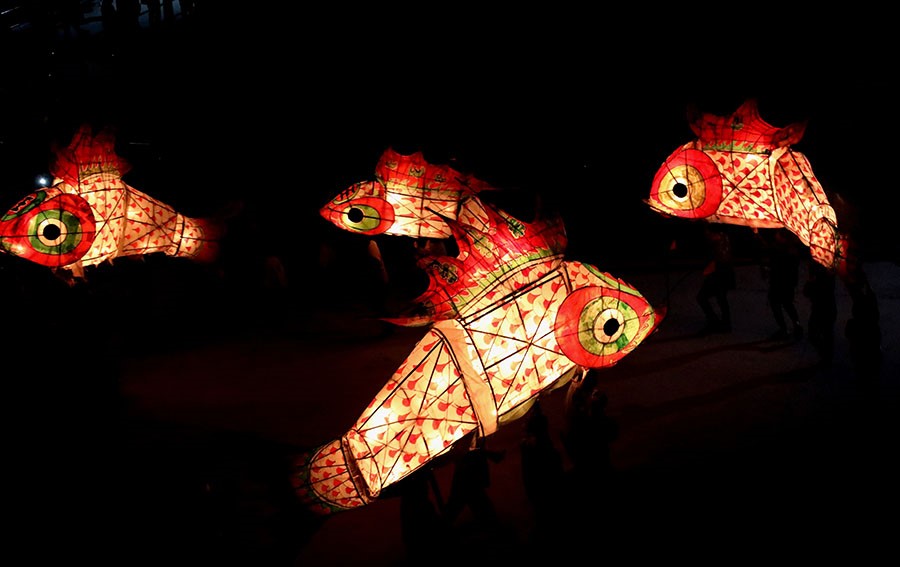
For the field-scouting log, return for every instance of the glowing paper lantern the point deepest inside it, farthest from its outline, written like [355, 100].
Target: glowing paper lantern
[408, 197]
[89, 215]
[741, 170]
[510, 319]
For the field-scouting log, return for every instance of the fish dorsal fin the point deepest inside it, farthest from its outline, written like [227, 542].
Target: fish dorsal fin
[414, 173]
[744, 130]
[88, 154]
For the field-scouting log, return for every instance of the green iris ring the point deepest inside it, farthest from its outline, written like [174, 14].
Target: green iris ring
[72, 232]
[371, 218]
[36, 199]
[594, 310]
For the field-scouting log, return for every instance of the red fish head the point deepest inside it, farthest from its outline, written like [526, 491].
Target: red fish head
[49, 227]
[361, 208]
[687, 185]
[597, 325]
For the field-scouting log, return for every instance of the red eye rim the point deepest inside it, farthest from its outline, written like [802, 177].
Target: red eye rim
[705, 168]
[569, 318]
[377, 215]
[17, 235]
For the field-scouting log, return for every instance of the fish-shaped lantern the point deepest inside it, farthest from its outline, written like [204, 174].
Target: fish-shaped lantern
[89, 214]
[510, 319]
[741, 170]
[408, 197]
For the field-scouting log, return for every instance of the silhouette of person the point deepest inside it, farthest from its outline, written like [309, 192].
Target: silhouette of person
[70, 15]
[154, 12]
[128, 13]
[819, 290]
[577, 406]
[168, 11]
[863, 329]
[589, 431]
[605, 430]
[420, 520]
[469, 484]
[542, 472]
[108, 15]
[718, 280]
[781, 267]
[188, 7]
[275, 297]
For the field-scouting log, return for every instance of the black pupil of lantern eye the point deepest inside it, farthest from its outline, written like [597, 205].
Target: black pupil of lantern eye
[610, 327]
[680, 190]
[51, 232]
[355, 215]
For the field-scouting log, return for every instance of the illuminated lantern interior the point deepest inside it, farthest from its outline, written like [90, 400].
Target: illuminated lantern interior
[741, 170]
[509, 319]
[90, 215]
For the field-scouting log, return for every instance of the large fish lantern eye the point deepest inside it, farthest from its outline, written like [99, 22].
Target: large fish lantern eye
[598, 325]
[687, 185]
[49, 227]
[359, 210]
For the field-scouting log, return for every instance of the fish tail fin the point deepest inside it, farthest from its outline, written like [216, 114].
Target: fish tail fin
[199, 240]
[322, 479]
